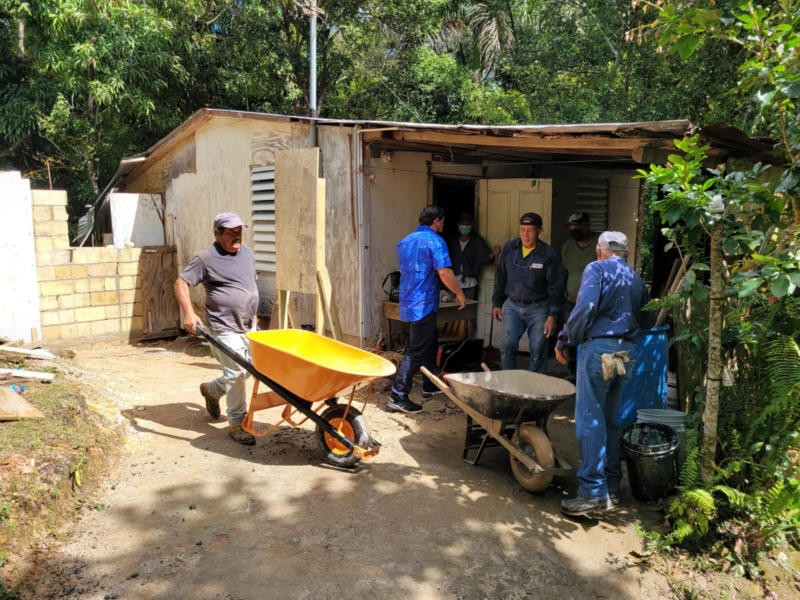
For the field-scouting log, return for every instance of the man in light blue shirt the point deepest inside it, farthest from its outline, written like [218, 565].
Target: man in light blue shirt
[606, 318]
[424, 262]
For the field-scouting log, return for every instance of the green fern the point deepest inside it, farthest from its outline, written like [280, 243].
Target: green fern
[690, 471]
[735, 497]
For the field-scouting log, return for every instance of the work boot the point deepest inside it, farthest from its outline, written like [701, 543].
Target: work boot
[403, 404]
[578, 506]
[212, 404]
[240, 435]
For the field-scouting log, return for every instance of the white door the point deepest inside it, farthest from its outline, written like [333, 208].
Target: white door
[501, 202]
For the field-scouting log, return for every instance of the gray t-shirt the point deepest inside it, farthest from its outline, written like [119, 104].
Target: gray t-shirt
[575, 260]
[230, 283]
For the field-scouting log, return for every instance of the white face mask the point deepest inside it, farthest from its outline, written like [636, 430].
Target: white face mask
[464, 229]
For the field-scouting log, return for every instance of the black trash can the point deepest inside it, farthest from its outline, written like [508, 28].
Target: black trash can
[651, 454]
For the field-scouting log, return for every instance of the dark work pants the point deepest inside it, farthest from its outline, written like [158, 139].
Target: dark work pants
[421, 351]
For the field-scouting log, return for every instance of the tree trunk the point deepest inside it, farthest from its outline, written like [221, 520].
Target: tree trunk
[714, 371]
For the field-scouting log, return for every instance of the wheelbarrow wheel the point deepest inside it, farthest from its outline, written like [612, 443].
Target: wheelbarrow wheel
[535, 443]
[351, 427]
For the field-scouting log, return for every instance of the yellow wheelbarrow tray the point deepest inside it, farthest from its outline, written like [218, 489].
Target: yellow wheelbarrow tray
[305, 372]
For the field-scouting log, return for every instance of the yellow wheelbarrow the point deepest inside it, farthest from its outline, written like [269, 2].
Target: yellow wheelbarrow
[305, 372]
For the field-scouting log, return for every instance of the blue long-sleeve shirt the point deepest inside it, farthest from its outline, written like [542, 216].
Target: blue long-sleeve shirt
[420, 255]
[538, 277]
[610, 302]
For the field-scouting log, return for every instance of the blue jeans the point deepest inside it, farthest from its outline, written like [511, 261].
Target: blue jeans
[597, 424]
[517, 319]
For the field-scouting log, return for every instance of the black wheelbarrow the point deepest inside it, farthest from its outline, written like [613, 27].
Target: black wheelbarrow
[510, 408]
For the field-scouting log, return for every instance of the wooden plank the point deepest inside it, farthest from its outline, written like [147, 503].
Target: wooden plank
[14, 407]
[320, 255]
[40, 354]
[22, 374]
[296, 174]
[326, 293]
[157, 273]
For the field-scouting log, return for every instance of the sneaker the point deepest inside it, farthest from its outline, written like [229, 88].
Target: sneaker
[403, 404]
[584, 506]
[240, 435]
[212, 404]
[615, 498]
[431, 394]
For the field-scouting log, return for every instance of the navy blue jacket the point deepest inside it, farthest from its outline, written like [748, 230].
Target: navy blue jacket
[610, 303]
[538, 277]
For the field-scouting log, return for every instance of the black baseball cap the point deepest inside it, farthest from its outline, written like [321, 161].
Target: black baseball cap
[530, 218]
[578, 218]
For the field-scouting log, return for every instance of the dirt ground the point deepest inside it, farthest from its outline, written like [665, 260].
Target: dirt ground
[191, 514]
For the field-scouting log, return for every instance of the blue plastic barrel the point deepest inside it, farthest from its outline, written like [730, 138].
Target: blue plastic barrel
[647, 387]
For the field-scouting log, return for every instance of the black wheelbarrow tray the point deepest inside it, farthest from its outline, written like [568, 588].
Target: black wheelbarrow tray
[305, 372]
[510, 408]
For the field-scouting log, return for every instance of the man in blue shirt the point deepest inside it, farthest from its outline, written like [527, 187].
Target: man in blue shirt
[605, 321]
[424, 261]
[528, 293]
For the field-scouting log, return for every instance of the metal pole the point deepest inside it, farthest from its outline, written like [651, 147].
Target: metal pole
[312, 78]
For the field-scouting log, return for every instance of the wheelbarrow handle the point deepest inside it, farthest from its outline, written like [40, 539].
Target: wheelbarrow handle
[301, 404]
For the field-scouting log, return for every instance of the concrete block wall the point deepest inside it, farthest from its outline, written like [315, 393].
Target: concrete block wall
[82, 291]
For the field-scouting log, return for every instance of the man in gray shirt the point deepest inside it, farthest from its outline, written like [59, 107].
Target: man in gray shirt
[227, 270]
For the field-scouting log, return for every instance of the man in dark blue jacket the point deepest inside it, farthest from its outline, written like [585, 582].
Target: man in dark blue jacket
[528, 294]
[606, 318]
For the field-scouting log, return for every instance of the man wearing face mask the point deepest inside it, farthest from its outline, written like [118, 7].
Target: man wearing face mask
[577, 252]
[469, 253]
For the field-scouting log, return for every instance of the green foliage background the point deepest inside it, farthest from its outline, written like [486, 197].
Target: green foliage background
[84, 82]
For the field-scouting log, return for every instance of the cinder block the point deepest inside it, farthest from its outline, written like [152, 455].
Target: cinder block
[113, 312]
[54, 228]
[68, 331]
[110, 284]
[43, 213]
[84, 329]
[66, 316]
[97, 285]
[126, 310]
[112, 325]
[55, 288]
[104, 269]
[111, 255]
[87, 256]
[61, 257]
[48, 197]
[81, 300]
[59, 213]
[131, 254]
[80, 271]
[43, 243]
[63, 272]
[48, 303]
[128, 282]
[127, 296]
[44, 259]
[51, 333]
[128, 268]
[60, 243]
[45, 274]
[103, 298]
[91, 313]
[49, 318]
[81, 285]
[67, 301]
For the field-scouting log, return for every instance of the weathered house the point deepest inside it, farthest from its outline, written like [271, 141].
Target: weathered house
[379, 175]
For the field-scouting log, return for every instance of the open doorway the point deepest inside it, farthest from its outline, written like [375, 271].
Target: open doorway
[455, 196]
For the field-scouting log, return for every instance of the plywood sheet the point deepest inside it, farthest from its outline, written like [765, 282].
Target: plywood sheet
[14, 407]
[295, 219]
[157, 273]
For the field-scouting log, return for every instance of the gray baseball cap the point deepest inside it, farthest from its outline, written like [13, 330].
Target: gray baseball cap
[616, 241]
[228, 220]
